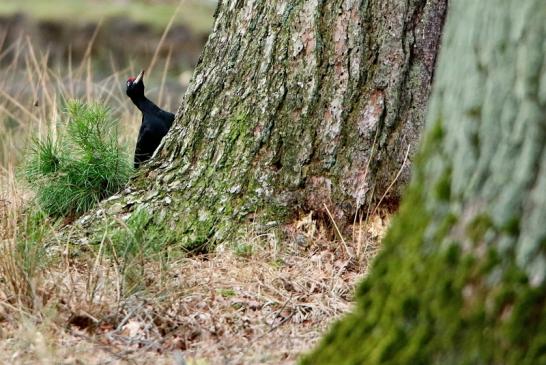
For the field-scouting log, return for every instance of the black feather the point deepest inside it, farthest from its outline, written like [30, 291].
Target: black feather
[156, 122]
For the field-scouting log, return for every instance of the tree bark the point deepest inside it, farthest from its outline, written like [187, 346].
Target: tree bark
[294, 106]
[461, 279]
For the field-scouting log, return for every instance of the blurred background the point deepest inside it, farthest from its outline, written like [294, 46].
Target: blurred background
[127, 31]
[55, 50]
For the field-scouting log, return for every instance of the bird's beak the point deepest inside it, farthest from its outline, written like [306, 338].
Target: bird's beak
[139, 77]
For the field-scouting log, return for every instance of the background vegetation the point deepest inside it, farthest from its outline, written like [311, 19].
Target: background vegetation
[194, 14]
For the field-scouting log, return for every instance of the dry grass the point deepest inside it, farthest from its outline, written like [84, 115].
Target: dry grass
[264, 301]
[266, 306]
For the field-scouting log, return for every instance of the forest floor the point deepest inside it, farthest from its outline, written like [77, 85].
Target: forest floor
[265, 301]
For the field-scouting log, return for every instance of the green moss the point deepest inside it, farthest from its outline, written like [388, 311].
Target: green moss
[428, 301]
[512, 226]
[442, 189]
[273, 211]
[198, 236]
[375, 312]
[453, 256]
[478, 227]
[475, 112]
[433, 137]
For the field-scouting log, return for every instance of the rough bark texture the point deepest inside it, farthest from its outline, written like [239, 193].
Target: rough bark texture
[294, 105]
[461, 279]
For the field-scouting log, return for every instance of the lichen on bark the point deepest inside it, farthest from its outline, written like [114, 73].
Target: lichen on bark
[461, 279]
[294, 105]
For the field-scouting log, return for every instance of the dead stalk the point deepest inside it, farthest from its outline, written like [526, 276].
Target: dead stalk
[345, 247]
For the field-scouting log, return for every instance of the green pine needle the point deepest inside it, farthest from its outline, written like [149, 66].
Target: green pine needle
[81, 166]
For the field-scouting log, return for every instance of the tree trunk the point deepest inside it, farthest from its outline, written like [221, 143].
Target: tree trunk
[461, 279]
[294, 106]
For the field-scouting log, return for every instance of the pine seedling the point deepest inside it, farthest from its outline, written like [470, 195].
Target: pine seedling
[81, 166]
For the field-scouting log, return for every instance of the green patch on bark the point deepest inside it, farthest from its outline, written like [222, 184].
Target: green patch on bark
[220, 202]
[442, 189]
[479, 226]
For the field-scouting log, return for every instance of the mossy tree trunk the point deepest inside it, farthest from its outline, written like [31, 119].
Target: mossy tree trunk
[294, 105]
[462, 276]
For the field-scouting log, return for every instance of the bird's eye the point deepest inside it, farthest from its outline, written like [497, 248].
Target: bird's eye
[128, 83]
